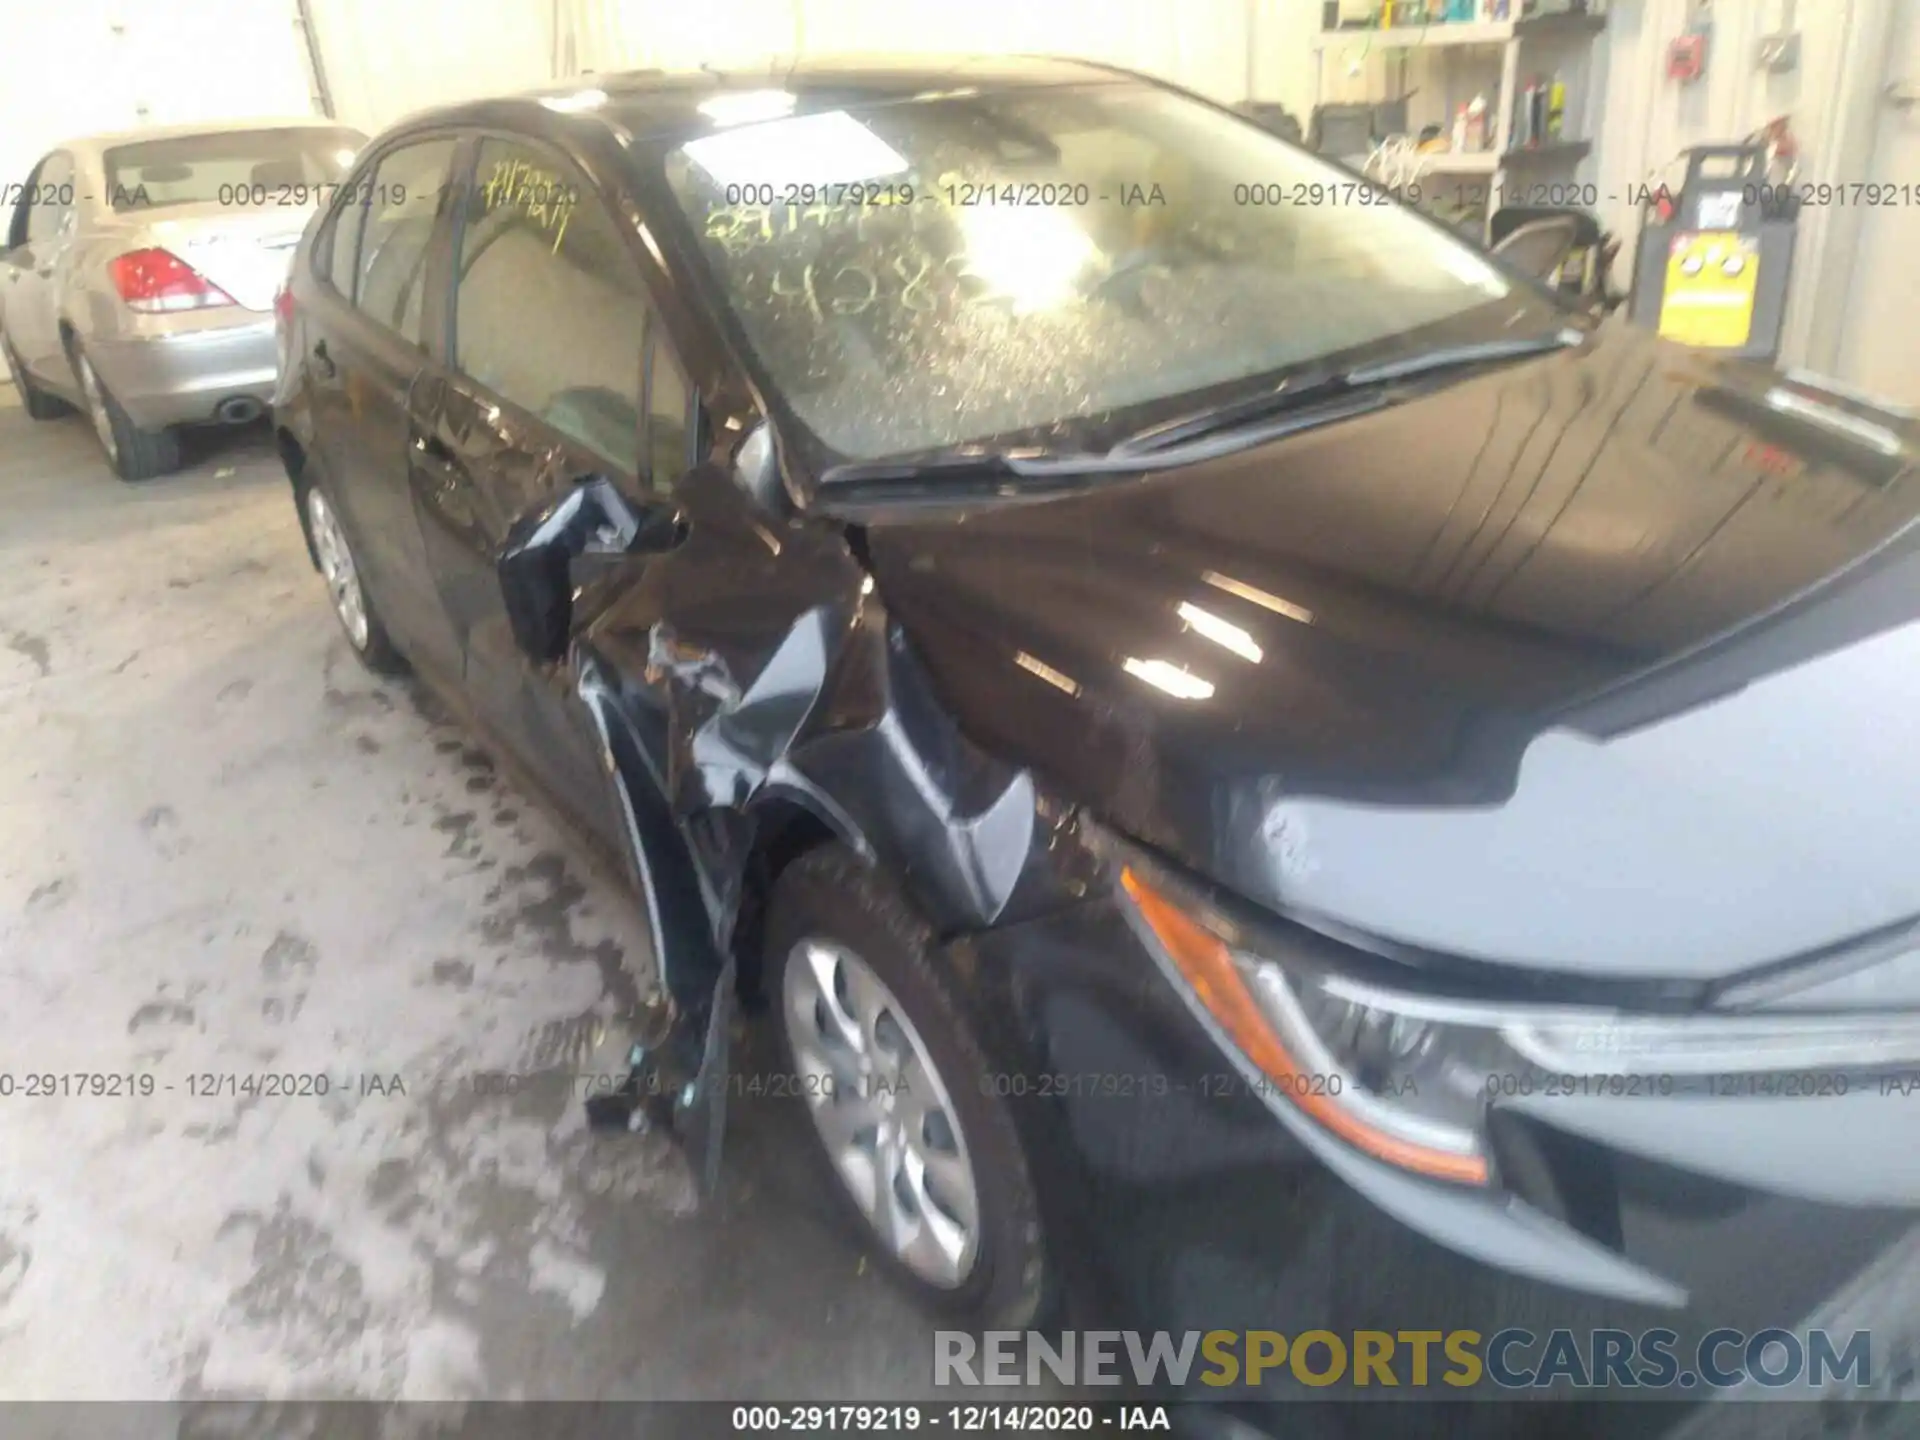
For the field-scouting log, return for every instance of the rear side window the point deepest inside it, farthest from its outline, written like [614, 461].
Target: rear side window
[551, 310]
[234, 167]
[50, 197]
[405, 194]
[341, 246]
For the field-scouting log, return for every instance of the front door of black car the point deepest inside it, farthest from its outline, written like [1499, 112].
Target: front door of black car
[547, 382]
[367, 349]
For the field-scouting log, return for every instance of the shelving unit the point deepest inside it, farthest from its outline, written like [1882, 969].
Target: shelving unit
[1442, 34]
[1494, 58]
[1555, 154]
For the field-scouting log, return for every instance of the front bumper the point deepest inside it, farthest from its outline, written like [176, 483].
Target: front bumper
[180, 377]
[1178, 1201]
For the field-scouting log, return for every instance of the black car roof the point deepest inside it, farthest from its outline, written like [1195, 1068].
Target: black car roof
[655, 104]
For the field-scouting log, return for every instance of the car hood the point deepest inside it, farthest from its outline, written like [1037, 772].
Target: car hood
[1605, 663]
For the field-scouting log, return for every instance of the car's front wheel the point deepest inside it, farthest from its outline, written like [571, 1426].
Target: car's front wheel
[352, 605]
[134, 454]
[925, 1155]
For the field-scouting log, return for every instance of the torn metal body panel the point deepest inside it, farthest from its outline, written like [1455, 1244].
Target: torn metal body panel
[713, 719]
[811, 698]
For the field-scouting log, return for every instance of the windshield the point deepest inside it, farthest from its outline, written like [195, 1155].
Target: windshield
[241, 167]
[934, 271]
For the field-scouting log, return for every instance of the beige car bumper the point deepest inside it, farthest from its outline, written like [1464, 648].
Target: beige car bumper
[186, 377]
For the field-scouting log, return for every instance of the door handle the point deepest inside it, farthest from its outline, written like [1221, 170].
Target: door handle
[1902, 96]
[323, 362]
[432, 447]
[440, 483]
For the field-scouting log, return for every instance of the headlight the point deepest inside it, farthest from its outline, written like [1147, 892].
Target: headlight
[1407, 1078]
[1405, 1090]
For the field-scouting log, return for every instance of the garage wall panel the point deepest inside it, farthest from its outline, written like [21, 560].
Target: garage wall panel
[388, 58]
[638, 34]
[1199, 43]
[90, 65]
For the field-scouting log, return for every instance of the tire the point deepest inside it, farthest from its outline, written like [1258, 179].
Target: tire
[353, 604]
[39, 404]
[830, 901]
[134, 454]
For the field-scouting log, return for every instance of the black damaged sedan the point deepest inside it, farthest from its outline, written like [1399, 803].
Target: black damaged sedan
[1265, 773]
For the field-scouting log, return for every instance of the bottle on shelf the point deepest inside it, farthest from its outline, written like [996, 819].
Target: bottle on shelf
[1523, 133]
[1556, 108]
[1460, 130]
[1477, 137]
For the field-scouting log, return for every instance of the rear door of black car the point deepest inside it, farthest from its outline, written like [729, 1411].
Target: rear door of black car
[547, 381]
[368, 343]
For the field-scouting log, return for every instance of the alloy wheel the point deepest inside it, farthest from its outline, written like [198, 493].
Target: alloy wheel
[883, 1111]
[337, 567]
[97, 407]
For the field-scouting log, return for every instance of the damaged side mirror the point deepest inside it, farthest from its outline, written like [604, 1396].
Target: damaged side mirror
[536, 562]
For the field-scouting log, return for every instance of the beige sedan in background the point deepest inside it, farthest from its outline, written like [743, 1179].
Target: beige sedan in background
[139, 271]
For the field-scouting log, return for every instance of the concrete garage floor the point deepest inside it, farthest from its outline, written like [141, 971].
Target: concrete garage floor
[226, 851]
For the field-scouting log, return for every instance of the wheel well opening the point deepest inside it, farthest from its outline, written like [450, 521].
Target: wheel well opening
[783, 832]
[292, 457]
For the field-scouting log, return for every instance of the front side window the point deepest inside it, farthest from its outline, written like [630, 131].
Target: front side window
[401, 200]
[231, 168]
[969, 264]
[551, 309]
[669, 437]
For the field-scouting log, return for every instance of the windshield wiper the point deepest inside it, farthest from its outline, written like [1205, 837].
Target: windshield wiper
[1291, 393]
[1454, 357]
[1301, 402]
[985, 471]
[1320, 385]
[958, 476]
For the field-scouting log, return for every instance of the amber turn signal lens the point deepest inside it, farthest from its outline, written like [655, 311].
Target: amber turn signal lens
[1208, 966]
